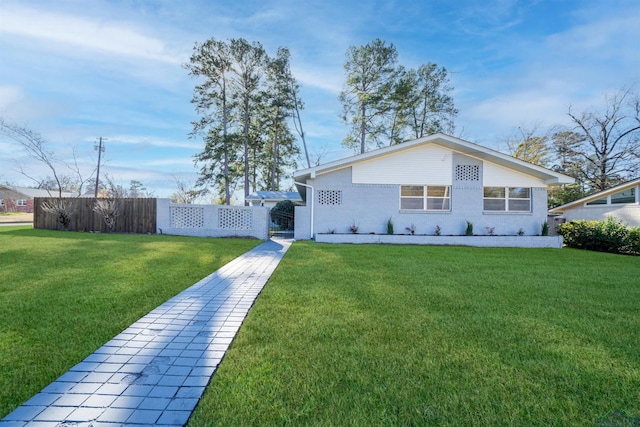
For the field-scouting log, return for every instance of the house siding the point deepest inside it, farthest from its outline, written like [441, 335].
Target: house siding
[430, 164]
[369, 206]
[497, 176]
[630, 214]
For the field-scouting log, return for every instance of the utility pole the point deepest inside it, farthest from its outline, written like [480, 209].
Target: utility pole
[100, 149]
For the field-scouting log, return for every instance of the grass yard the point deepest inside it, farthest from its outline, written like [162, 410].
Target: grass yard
[63, 294]
[401, 335]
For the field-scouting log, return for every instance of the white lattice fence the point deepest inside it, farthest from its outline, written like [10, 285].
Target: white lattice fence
[235, 218]
[187, 217]
[212, 220]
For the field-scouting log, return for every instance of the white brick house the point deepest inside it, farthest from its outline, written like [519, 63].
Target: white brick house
[621, 201]
[437, 181]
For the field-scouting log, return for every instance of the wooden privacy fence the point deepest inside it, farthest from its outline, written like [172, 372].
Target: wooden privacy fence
[135, 216]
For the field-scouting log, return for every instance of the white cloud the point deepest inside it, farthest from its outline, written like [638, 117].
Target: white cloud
[96, 35]
[9, 95]
[326, 79]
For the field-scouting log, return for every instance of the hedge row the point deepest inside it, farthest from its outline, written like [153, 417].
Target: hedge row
[611, 235]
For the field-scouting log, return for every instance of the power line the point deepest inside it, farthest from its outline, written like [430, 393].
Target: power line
[99, 147]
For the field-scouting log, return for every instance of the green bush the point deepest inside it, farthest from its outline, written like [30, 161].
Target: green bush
[469, 230]
[282, 214]
[611, 235]
[545, 228]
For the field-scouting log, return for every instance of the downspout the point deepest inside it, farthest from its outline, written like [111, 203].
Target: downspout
[311, 187]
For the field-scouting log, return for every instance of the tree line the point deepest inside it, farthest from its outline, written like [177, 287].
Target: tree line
[245, 100]
[600, 148]
[249, 112]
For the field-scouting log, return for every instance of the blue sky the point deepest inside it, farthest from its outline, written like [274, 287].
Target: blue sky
[77, 70]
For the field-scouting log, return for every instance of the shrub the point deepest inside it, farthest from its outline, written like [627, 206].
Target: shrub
[282, 214]
[353, 228]
[632, 243]
[469, 230]
[611, 235]
[545, 229]
[389, 226]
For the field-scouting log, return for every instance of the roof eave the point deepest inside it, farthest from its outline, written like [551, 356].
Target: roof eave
[453, 143]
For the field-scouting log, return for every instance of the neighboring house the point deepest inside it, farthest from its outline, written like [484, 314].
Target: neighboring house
[621, 201]
[436, 181]
[271, 198]
[20, 199]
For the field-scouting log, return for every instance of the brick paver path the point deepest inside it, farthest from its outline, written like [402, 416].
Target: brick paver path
[155, 371]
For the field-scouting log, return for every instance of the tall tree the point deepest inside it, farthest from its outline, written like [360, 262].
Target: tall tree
[248, 71]
[530, 147]
[211, 62]
[385, 104]
[279, 105]
[371, 72]
[399, 107]
[245, 100]
[612, 139]
[432, 108]
[566, 149]
[220, 161]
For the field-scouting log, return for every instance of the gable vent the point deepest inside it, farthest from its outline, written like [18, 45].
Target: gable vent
[467, 173]
[330, 197]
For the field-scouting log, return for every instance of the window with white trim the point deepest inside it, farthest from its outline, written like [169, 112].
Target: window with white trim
[22, 202]
[425, 197]
[623, 197]
[507, 199]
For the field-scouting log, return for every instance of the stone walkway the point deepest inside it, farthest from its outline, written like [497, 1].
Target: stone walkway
[155, 371]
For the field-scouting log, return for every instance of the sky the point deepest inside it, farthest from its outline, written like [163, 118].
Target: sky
[77, 70]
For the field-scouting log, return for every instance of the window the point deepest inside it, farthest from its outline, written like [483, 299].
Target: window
[620, 198]
[1, 202]
[602, 201]
[507, 199]
[425, 197]
[22, 202]
[624, 196]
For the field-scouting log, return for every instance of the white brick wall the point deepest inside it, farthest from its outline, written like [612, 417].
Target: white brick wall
[212, 220]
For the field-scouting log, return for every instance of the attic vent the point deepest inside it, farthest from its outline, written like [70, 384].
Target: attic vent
[330, 197]
[467, 173]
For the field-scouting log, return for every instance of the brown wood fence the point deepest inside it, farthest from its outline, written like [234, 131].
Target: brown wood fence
[136, 216]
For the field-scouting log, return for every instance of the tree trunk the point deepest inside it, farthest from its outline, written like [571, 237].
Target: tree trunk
[363, 127]
[227, 194]
[246, 150]
[274, 167]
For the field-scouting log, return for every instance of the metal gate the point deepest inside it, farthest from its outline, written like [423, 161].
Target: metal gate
[281, 225]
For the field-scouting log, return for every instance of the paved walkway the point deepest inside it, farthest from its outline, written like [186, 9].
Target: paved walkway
[155, 371]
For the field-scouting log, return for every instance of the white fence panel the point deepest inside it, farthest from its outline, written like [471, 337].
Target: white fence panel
[212, 220]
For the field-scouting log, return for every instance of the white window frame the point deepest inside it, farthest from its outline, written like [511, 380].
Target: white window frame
[425, 198]
[608, 199]
[21, 202]
[507, 198]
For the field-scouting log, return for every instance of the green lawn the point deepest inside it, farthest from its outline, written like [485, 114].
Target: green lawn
[350, 335]
[63, 294]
